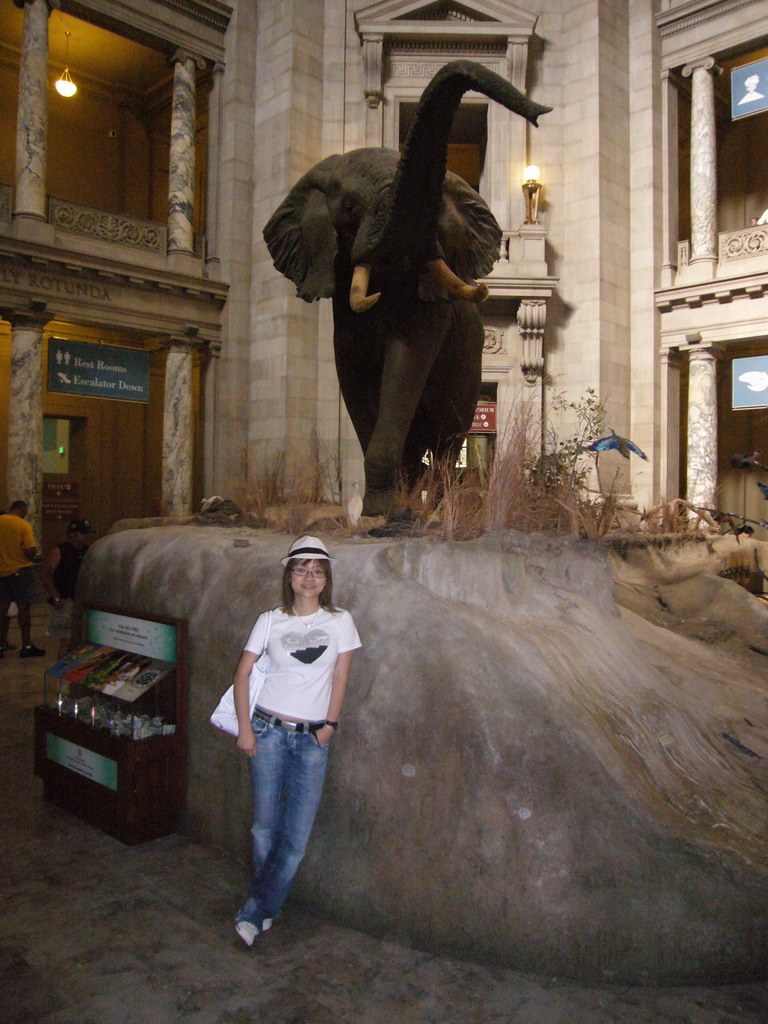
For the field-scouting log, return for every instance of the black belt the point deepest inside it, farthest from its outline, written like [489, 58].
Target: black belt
[281, 723]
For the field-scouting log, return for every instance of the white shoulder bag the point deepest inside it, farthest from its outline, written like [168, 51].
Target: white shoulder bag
[225, 716]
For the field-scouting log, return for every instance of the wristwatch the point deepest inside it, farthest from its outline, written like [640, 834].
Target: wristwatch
[333, 725]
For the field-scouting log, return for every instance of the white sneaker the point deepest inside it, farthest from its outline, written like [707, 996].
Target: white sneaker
[248, 931]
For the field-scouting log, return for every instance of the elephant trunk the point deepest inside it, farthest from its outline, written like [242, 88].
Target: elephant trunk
[417, 190]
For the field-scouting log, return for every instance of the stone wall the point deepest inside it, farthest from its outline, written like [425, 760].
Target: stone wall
[524, 775]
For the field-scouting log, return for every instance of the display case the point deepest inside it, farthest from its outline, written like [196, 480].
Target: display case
[110, 736]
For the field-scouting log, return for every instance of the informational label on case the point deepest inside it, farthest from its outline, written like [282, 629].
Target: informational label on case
[78, 759]
[126, 633]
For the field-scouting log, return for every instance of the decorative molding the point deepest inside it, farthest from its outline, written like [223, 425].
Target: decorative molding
[103, 226]
[683, 253]
[686, 15]
[742, 244]
[373, 52]
[392, 29]
[531, 318]
[706, 63]
[182, 55]
[493, 343]
[708, 293]
[216, 14]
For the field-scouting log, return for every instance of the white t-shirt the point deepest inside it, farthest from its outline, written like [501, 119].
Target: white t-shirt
[302, 651]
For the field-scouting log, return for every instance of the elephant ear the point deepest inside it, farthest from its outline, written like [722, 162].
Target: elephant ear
[467, 231]
[302, 241]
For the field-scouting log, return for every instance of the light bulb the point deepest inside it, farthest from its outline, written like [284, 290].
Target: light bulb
[64, 85]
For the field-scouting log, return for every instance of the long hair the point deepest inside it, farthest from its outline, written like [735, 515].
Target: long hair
[326, 594]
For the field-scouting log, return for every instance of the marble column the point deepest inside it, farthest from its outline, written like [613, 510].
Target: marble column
[32, 117]
[181, 173]
[25, 414]
[703, 162]
[177, 430]
[702, 427]
[213, 185]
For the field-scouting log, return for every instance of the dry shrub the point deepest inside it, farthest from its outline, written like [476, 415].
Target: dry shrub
[676, 516]
[283, 491]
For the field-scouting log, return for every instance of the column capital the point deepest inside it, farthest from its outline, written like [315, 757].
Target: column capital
[712, 350]
[30, 318]
[182, 56]
[704, 64]
[53, 5]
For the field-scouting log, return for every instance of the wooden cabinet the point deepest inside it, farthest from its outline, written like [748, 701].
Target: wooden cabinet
[132, 789]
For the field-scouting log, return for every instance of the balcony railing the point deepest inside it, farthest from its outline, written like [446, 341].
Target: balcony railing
[103, 226]
[743, 244]
[97, 225]
[732, 248]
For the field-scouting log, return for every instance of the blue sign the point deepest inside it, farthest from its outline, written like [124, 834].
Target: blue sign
[98, 371]
[750, 383]
[749, 89]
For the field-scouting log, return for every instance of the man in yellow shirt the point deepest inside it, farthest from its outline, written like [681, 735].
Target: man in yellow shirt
[17, 576]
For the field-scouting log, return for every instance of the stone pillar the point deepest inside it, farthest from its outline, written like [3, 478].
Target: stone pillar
[177, 430]
[210, 403]
[32, 117]
[669, 473]
[213, 185]
[702, 427]
[25, 413]
[181, 171]
[703, 164]
[670, 189]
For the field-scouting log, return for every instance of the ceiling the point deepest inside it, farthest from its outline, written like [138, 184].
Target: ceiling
[95, 54]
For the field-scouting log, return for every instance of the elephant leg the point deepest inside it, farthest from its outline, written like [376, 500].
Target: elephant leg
[451, 391]
[405, 371]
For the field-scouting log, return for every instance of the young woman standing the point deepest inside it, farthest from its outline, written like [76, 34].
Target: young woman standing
[309, 646]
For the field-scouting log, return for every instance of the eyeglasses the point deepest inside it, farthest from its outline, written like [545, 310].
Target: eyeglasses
[317, 574]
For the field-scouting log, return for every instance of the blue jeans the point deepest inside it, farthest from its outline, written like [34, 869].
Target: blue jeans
[287, 772]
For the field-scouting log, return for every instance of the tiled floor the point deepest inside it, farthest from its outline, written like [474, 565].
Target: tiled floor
[93, 932]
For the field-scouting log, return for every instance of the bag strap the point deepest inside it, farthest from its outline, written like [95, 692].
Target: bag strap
[266, 635]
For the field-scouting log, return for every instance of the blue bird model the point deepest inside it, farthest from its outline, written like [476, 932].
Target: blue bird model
[615, 442]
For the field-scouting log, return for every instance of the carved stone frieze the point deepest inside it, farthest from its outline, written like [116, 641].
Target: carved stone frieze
[103, 226]
[493, 345]
[739, 245]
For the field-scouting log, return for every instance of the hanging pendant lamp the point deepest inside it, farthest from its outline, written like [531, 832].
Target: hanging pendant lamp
[64, 85]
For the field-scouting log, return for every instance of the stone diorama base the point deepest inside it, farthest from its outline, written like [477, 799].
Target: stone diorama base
[526, 774]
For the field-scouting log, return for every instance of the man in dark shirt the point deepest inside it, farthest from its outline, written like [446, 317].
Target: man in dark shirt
[60, 568]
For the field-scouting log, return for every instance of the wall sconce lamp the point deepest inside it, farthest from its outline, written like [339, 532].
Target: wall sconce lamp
[64, 85]
[531, 190]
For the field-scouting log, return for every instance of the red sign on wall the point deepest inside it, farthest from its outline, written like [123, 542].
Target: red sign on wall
[485, 418]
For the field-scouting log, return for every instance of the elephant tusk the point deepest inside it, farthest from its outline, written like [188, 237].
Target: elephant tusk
[442, 273]
[359, 299]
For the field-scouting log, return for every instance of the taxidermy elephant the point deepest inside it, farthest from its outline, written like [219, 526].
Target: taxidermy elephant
[397, 243]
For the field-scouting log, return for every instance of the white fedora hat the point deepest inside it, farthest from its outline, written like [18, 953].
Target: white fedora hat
[306, 547]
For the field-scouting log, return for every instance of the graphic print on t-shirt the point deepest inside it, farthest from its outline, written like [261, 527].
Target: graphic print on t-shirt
[306, 647]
